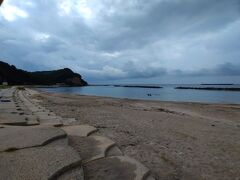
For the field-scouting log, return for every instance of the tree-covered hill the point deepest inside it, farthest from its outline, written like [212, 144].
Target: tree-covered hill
[14, 76]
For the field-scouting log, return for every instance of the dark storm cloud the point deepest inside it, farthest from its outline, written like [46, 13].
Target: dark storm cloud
[134, 70]
[131, 70]
[123, 39]
[161, 19]
[227, 69]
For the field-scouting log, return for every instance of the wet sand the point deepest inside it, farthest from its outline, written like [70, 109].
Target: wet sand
[174, 140]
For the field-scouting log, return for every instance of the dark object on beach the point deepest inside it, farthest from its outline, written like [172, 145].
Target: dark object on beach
[210, 88]
[15, 76]
[137, 86]
[149, 94]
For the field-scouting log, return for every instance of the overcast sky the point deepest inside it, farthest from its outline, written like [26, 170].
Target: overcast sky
[125, 41]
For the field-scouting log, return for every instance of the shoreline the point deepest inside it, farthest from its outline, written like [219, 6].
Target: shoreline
[163, 94]
[173, 139]
[135, 99]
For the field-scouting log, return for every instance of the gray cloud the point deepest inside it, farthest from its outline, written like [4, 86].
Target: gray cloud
[161, 19]
[142, 70]
[226, 69]
[104, 39]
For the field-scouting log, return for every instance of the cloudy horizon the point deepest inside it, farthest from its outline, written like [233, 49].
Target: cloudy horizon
[118, 41]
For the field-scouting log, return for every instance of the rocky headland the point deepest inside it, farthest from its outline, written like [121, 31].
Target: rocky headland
[14, 76]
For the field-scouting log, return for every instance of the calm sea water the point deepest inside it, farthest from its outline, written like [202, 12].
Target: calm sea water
[167, 93]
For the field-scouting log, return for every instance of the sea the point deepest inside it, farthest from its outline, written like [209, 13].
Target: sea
[166, 93]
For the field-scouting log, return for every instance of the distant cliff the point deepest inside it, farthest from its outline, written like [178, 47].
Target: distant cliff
[15, 76]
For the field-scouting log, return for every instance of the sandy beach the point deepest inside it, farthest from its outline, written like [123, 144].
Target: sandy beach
[174, 140]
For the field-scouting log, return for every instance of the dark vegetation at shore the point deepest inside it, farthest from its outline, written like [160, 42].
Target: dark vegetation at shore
[210, 88]
[14, 76]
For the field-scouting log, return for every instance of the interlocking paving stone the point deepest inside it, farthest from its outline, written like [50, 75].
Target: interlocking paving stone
[79, 130]
[7, 107]
[45, 117]
[54, 123]
[149, 177]
[12, 138]
[102, 159]
[115, 168]
[12, 119]
[73, 174]
[113, 151]
[92, 147]
[32, 120]
[58, 142]
[12, 110]
[49, 119]
[47, 162]
[68, 121]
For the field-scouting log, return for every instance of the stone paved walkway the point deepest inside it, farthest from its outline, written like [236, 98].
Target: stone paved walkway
[35, 144]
